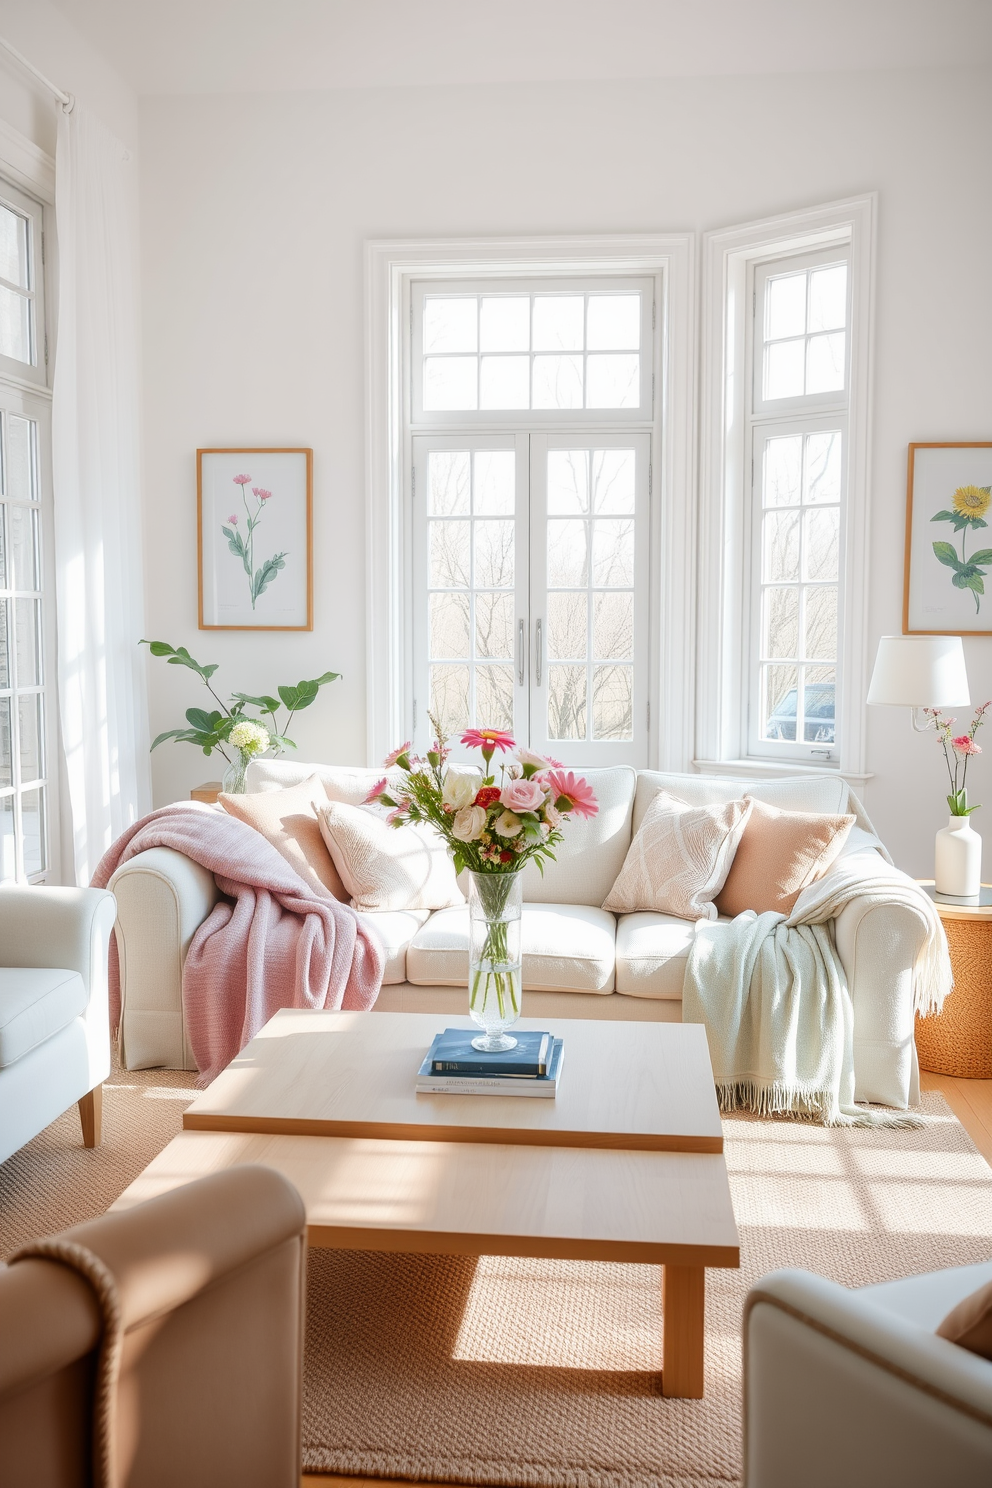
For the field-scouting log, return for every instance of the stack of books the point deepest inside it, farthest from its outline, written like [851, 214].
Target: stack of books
[453, 1067]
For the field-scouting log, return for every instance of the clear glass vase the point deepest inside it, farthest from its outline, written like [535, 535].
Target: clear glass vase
[233, 782]
[494, 969]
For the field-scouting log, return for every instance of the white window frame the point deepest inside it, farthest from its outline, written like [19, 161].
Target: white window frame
[723, 659]
[33, 374]
[391, 269]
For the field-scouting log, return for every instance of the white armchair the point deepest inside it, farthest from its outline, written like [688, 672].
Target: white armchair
[854, 1387]
[54, 1020]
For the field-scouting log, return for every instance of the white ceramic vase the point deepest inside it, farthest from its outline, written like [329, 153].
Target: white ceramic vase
[958, 859]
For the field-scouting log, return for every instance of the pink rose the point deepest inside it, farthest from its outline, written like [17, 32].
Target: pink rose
[522, 795]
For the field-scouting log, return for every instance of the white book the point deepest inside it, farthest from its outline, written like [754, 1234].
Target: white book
[545, 1086]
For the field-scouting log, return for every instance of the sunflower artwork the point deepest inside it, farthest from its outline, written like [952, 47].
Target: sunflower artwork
[969, 507]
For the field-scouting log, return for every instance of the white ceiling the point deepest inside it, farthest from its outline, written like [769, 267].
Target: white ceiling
[219, 46]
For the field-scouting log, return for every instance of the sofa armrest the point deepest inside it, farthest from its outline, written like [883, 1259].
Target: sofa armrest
[915, 1409]
[50, 926]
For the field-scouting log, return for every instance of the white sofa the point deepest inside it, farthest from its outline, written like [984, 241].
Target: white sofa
[54, 1023]
[579, 960]
[854, 1387]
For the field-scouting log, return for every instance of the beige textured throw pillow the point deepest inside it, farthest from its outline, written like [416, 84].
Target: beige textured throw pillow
[385, 867]
[970, 1323]
[779, 855]
[679, 858]
[286, 819]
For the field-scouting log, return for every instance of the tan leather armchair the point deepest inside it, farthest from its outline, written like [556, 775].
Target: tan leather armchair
[207, 1286]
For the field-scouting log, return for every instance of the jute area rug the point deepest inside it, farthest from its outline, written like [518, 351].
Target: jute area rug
[521, 1372]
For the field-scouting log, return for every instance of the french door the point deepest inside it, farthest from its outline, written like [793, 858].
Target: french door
[530, 585]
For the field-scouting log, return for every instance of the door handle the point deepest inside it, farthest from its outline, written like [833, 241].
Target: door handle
[539, 649]
[521, 650]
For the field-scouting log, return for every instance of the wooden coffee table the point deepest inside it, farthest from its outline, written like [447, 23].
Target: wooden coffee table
[626, 1164]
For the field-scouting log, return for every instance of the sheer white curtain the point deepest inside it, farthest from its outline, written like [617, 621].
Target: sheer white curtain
[97, 492]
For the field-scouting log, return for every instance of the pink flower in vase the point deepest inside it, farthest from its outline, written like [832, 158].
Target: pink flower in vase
[572, 793]
[966, 745]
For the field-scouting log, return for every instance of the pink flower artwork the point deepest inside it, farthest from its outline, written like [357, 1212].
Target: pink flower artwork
[243, 545]
[241, 480]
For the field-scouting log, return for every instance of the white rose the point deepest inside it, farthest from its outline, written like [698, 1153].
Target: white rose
[507, 825]
[467, 824]
[459, 790]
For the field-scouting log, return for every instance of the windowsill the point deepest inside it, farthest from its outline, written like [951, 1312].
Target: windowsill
[773, 769]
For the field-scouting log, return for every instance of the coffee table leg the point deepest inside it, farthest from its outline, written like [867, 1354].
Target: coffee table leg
[682, 1295]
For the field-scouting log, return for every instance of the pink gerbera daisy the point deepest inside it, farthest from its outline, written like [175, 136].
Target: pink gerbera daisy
[377, 790]
[572, 793]
[398, 756]
[487, 739]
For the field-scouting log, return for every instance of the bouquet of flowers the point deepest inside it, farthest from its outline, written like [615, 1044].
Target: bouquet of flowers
[961, 748]
[492, 828]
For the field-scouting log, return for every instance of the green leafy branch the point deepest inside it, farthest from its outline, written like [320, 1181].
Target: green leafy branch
[968, 573]
[210, 731]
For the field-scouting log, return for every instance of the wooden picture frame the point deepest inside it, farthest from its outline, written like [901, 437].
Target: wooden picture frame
[948, 512]
[255, 560]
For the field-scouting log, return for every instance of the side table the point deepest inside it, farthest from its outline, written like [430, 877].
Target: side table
[958, 1041]
[208, 792]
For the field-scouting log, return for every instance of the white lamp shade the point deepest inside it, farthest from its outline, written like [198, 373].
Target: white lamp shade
[920, 672]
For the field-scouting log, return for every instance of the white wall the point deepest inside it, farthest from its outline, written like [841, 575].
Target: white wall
[255, 211]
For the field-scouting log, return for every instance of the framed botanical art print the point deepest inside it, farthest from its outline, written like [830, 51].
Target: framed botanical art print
[948, 584]
[255, 539]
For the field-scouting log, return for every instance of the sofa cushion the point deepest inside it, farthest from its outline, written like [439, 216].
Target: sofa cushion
[340, 782]
[566, 948]
[821, 793]
[385, 867]
[396, 929]
[588, 861]
[35, 1003]
[779, 855]
[652, 950]
[286, 819]
[679, 859]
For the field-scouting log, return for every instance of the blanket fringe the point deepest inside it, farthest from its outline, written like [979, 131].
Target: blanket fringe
[807, 1105]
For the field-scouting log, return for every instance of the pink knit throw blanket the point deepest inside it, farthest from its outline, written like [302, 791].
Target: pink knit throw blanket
[279, 944]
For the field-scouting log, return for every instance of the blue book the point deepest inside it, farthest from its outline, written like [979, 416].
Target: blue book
[451, 1053]
[540, 1085]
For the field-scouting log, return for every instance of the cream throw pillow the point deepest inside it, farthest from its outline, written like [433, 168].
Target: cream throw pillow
[385, 867]
[679, 859]
[286, 819]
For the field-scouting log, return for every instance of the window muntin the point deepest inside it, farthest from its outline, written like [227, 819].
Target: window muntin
[21, 285]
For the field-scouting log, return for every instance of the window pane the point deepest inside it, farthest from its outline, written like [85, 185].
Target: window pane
[449, 627]
[8, 867]
[613, 627]
[613, 553]
[614, 323]
[15, 325]
[23, 522]
[450, 384]
[450, 324]
[821, 623]
[504, 382]
[823, 453]
[566, 702]
[33, 828]
[612, 699]
[613, 481]
[494, 555]
[504, 323]
[568, 482]
[494, 626]
[613, 381]
[567, 622]
[818, 694]
[14, 247]
[822, 543]
[828, 298]
[786, 301]
[21, 472]
[448, 480]
[558, 322]
[779, 697]
[27, 639]
[495, 477]
[557, 382]
[4, 642]
[449, 697]
[6, 744]
[494, 697]
[825, 363]
[3, 549]
[780, 556]
[783, 471]
[784, 369]
[449, 552]
[780, 625]
[568, 559]
[31, 736]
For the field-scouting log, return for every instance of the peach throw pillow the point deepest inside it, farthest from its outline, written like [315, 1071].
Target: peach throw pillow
[779, 855]
[286, 819]
[679, 859]
[384, 867]
[970, 1323]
